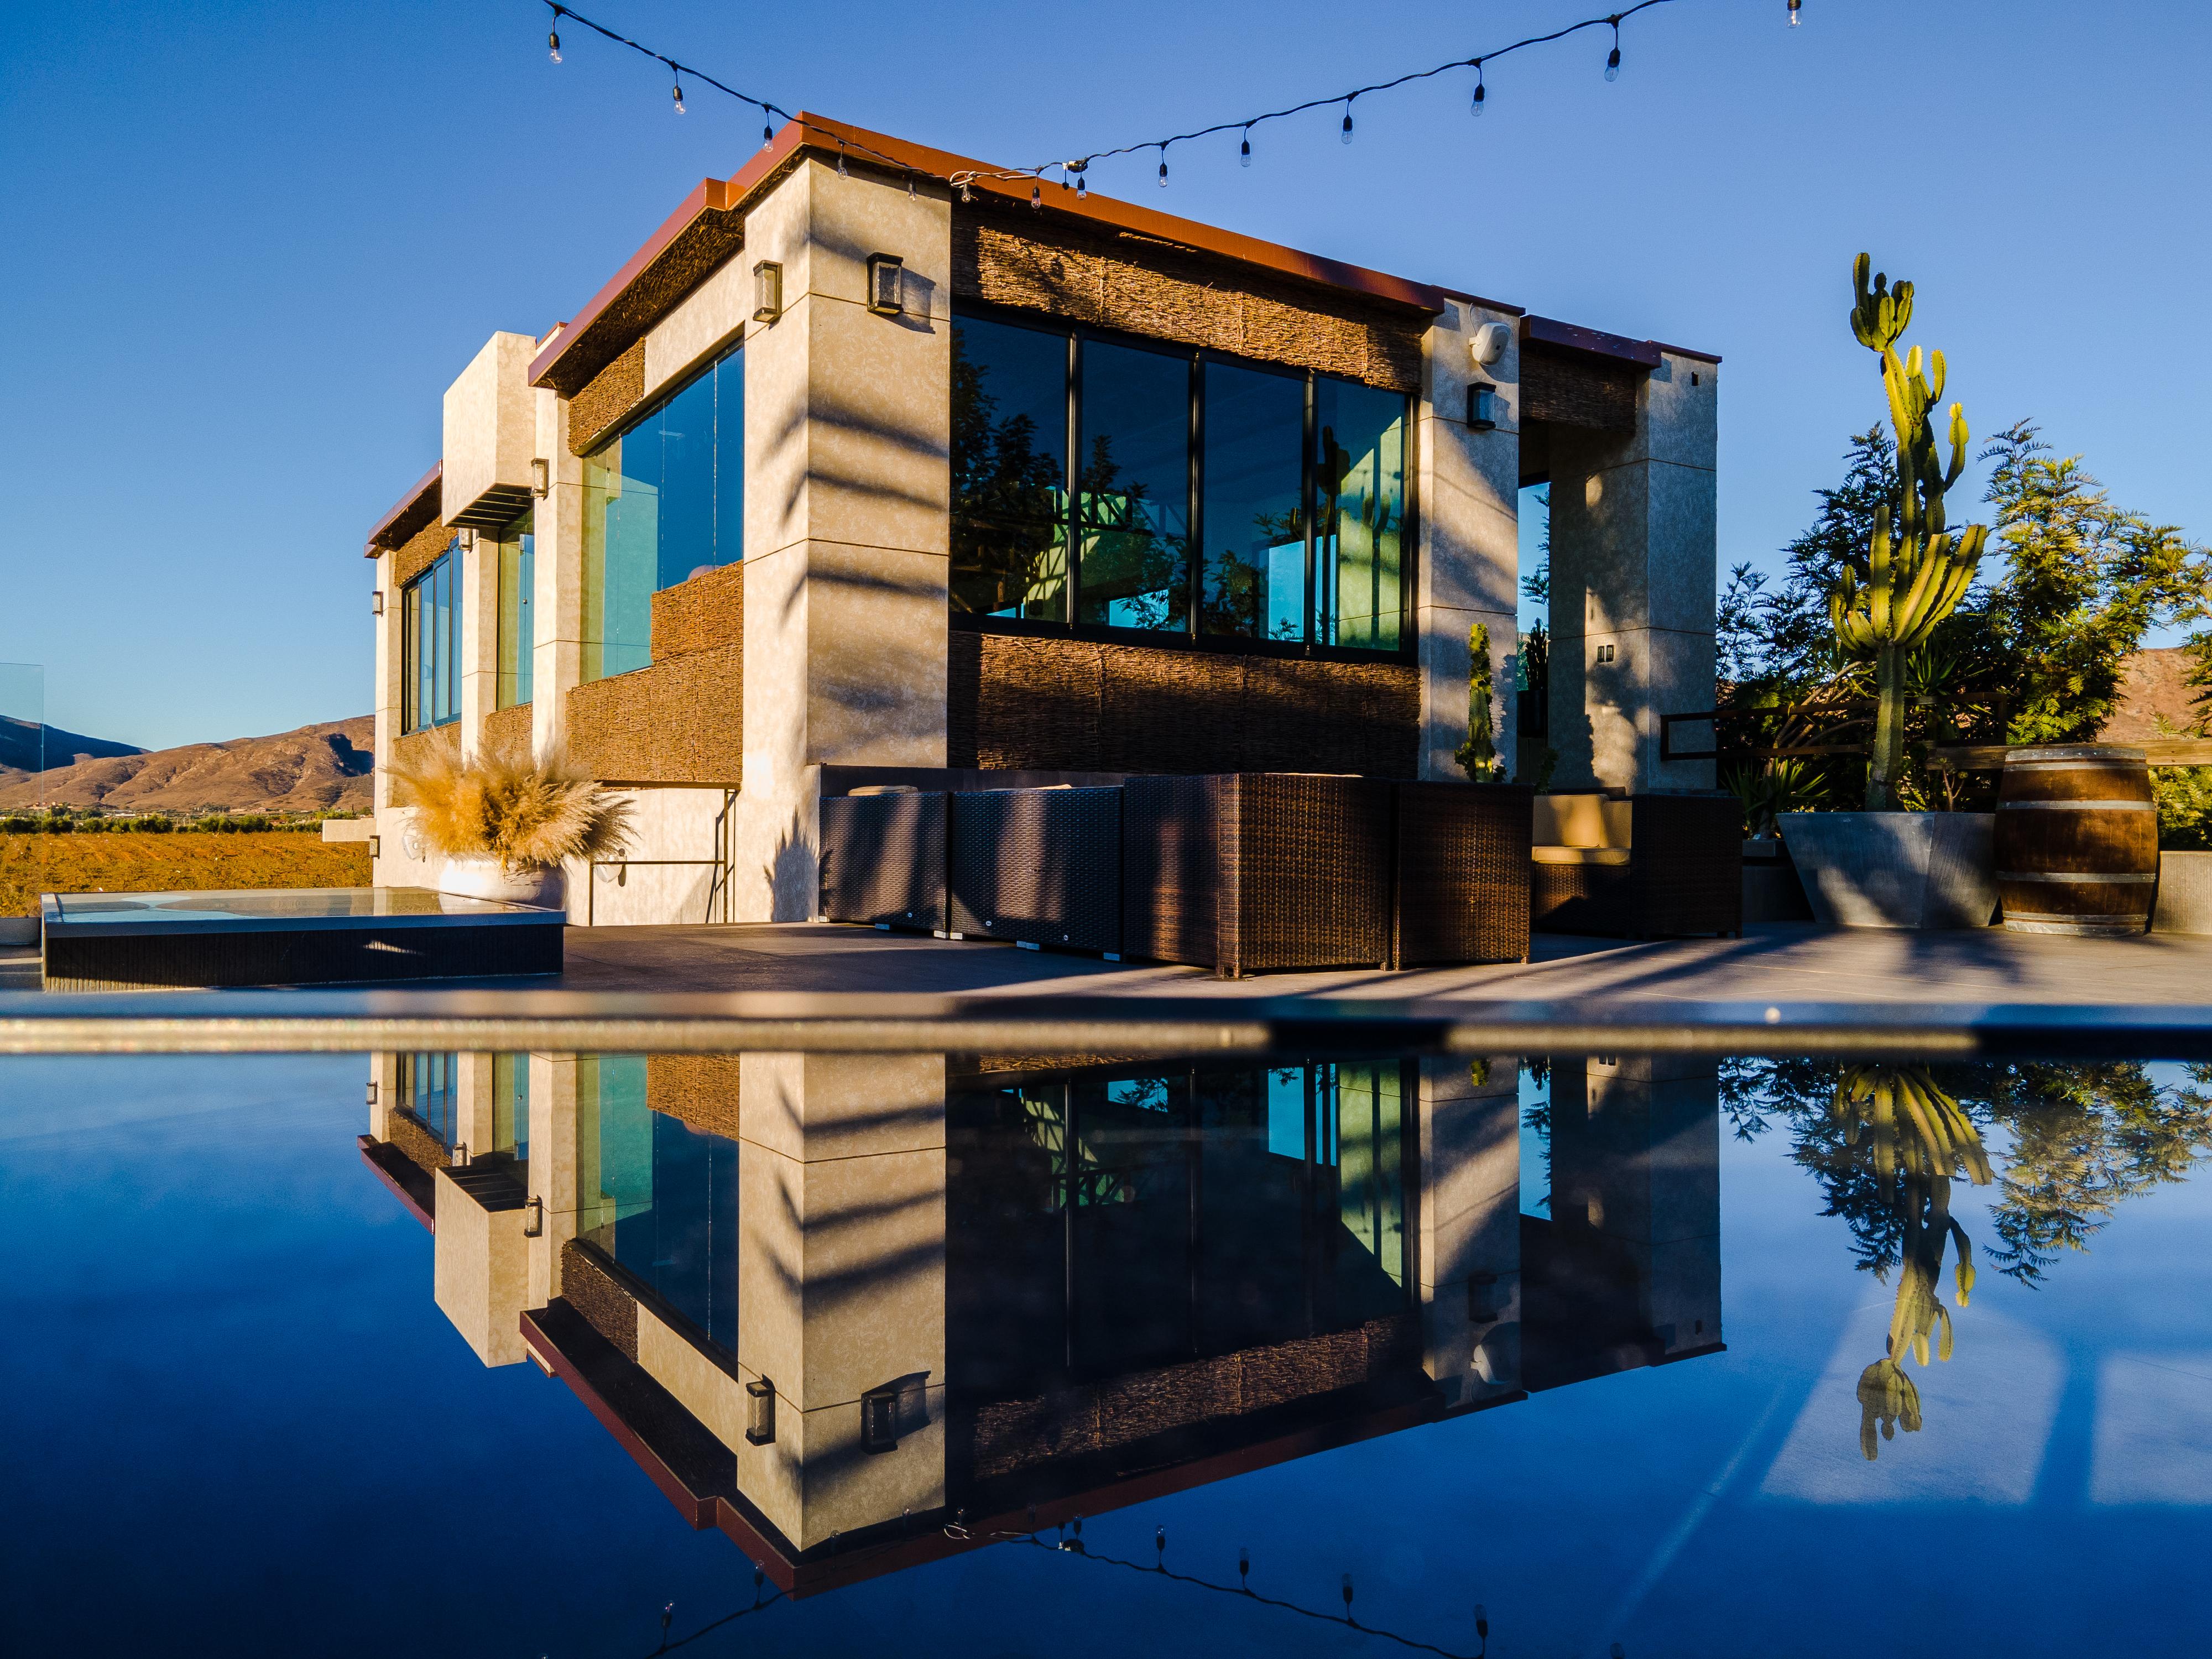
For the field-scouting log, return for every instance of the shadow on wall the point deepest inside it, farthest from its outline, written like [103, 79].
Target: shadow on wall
[793, 873]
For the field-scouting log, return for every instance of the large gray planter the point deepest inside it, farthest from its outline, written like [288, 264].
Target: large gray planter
[1895, 869]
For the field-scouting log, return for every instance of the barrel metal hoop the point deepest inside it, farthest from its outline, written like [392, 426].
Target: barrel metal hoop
[2077, 806]
[2074, 876]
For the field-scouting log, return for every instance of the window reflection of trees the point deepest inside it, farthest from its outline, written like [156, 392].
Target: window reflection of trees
[2075, 1141]
[1008, 551]
[1133, 558]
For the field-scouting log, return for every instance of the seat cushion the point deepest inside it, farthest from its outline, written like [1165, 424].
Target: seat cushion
[1588, 819]
[1579, 855]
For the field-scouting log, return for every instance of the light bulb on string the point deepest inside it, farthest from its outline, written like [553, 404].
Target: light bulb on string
[553, 37]
[1244, 150]
[1613, 57]
[1082, 187]
[1481, 92]
[1163, 166]
[1346, 134]
[677, 92]
[1796, 16]
[1036, 198]
[841, 173]
[767, 134]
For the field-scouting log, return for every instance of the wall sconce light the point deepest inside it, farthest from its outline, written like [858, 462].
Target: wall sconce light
[1487, 343]
[879, 1419]
[375, 851]
[541, 476]
[533, 1217]
[1482, 406]
[768, 291]
[468, 541]
[376, 602]
[760, 1413]
[1482, 1299]
[372, 1091]
[459, 1160]
[885, 282]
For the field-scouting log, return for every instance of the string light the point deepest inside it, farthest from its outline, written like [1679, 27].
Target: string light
[963, 178]
[1036, 198]
[841, 173]
[1796, 13]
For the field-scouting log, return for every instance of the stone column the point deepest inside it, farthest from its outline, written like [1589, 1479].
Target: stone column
[1634, 561]
[558, 603]
[555, 1135]
[847, 503]
[1466, 500]
[1636, 1161]
[841, 1282]
[1470, 1228]
[389, 665]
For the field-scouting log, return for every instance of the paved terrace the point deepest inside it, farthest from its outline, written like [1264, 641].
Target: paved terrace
[1780, 964]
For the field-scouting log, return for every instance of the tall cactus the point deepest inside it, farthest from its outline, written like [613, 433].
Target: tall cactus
[1478, 756]
[1918, 570]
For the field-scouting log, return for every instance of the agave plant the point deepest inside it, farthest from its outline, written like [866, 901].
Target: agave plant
[503, 803]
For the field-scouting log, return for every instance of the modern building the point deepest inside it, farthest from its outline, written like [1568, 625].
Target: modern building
[872, 456]
[860, 1311]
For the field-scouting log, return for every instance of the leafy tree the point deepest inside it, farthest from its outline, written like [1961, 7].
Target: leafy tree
[2084, 582]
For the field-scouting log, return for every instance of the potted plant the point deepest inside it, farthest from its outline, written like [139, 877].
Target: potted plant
[1884, 867]
[506, 821]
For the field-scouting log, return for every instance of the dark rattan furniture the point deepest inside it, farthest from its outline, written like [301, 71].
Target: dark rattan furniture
[299, 936]
[1245, 872]
[1462, 873]
[1040, 867]
[883, 859]
[1681, 871]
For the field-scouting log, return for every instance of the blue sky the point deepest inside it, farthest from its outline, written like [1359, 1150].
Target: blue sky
[249, 244]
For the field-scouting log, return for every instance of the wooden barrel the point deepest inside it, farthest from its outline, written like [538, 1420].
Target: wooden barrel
[2076, 840]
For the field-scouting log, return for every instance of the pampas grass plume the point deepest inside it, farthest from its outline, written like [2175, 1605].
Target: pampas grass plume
[509, 806]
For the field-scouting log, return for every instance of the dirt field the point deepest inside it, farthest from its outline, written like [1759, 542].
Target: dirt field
[32, 864]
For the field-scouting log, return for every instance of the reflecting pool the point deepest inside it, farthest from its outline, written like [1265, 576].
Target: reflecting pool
[552, 1354]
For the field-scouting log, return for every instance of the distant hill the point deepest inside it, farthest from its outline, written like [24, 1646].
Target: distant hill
[2154, 687]
[323, 767]
[20, 750]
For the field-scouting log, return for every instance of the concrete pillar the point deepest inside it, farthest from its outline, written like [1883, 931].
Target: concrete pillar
[1467, 500]
[847, 503]
[1470, 1228]
[383, 1094]
[841, 1282]
[1636, 1161]
[558, 603]
[389, 706]
[474, 1109]
[555, 1157]
[1634, 560]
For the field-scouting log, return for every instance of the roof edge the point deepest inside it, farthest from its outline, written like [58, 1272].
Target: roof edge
[381, 535]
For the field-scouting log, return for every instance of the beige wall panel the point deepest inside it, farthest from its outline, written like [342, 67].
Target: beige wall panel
[812, 1107]
[702, 1383]
[479, 1272]
[710, 321]
[490, 425]
[876, 657]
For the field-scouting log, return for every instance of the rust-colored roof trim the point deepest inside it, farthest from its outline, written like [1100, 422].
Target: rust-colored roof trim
[408, 515]
[1572, 337]
[862, 148]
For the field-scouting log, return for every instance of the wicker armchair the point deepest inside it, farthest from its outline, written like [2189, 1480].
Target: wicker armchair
[1039, 866]
[1657, 864]
[1245, 872]
[1462, 888]
[883, 859]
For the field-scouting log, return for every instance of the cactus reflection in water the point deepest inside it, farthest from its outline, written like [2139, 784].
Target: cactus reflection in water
[1917, 1137]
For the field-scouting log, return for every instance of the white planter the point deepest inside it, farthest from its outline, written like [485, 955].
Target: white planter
[545, 887]
[1895, 869]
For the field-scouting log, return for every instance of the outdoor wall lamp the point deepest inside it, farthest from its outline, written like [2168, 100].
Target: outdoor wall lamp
[760, 1413]
[1487, 343]
[533, 1217]
[885, 274]
[375, 851]
[768, 291]
[460, 1159]
[376, 602]
[541, 476]
[879, 1419]
[468, 541]
[372, 1091]
[1482, 406]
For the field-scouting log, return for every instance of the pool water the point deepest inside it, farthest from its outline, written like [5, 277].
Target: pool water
[1618, 1324]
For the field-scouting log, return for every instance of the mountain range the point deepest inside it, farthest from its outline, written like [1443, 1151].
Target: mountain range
[318, 769]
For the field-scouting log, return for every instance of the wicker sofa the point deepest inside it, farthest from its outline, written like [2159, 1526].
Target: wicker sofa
[1662, 863]
[1039, 866]
[883, 858]
[1462, 874]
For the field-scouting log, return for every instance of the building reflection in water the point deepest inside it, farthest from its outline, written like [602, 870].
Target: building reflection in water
[861, 1312]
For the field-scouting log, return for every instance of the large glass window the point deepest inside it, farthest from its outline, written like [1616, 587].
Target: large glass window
[427, 1091]
[430, 644]
[1212, 499]
[518, 586]
[1254, 573]
[1009, 471]
[659, 1197]
[1359, 474]
[663, 503]
[1133, 512]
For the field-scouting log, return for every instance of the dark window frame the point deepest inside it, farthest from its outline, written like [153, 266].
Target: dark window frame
[1189, 636]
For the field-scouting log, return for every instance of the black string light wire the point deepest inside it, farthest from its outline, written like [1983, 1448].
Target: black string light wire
[1074, 170]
